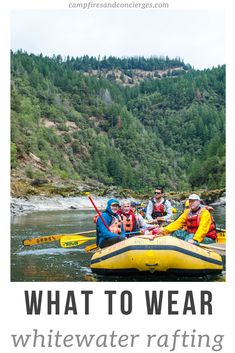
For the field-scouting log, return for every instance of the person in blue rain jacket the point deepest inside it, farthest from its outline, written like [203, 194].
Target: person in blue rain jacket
[116, 233]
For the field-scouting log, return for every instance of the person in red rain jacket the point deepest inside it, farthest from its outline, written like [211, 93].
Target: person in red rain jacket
[128, 217]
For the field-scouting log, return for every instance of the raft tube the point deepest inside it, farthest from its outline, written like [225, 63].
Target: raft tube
[162, 255]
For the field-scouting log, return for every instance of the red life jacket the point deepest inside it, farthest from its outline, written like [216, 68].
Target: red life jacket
[159, 210]
[193, 221]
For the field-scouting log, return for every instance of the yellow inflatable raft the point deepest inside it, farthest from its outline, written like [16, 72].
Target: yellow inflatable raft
[141, 255]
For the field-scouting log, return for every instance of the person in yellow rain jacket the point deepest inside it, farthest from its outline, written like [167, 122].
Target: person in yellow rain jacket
[196, 224]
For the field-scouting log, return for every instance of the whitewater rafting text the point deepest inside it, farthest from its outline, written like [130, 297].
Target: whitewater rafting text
[170, 342]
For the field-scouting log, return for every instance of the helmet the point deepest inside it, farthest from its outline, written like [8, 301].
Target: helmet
[194, 197]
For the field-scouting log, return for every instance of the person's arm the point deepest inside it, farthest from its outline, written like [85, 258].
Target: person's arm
[149, 211]
[136, 224]
[179, 223]
[103, 230]
[204, 226]
[168, 211]
[142, 223]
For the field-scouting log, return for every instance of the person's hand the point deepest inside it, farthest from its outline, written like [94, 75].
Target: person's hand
[154, 221]
[153, 227]
[157, 231]
[161, 231]
[160, 219]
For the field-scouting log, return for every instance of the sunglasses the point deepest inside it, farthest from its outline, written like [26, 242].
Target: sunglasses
[158, 192]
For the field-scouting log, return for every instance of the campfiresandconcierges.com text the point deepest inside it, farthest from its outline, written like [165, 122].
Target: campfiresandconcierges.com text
[118, 5]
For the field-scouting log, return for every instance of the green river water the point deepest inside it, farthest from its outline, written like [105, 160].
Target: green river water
[49, 262]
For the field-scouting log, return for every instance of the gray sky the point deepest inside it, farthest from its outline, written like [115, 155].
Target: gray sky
[197, 37]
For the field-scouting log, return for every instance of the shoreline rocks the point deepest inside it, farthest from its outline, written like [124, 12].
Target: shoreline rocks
[24, 205]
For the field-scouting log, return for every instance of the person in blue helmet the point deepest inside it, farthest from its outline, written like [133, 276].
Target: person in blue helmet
[110, 230]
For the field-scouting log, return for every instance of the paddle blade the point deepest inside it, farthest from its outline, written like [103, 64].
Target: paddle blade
[91, 247]
[41, 240]
[51, 238]
[72, 241]
[221, 238]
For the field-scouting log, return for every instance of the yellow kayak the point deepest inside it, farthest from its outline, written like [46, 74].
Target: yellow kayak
[167, 254]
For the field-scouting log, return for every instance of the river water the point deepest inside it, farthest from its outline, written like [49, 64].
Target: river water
[49, 262]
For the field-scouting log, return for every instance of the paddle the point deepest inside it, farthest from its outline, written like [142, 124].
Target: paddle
[219, 249]
[51, 238]
[213, 247]
[76, 240]
[222, 230]
[91, 247]
[71, 241]
[137, 232]
[99, 213]
[221, 238]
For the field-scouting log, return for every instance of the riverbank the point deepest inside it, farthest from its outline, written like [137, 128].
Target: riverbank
[47, 195]
[21, 206]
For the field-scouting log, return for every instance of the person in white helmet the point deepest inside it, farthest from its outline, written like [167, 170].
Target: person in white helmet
[197, 221]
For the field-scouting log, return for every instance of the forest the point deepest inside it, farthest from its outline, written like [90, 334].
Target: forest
[87, 119]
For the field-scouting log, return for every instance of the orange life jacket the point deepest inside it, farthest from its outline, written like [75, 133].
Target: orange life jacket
[115, 226]
[127, 221]
[193, 221]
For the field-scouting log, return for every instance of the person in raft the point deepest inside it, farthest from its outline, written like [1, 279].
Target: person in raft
[128, 218]
[115, 233]
[159, 209]
[144, 226]
[197, 221]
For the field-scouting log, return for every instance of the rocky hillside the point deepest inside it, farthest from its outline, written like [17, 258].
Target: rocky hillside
[125, 123]
[134, 77]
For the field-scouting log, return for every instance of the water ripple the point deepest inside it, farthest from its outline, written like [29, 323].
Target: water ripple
[49, 251]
